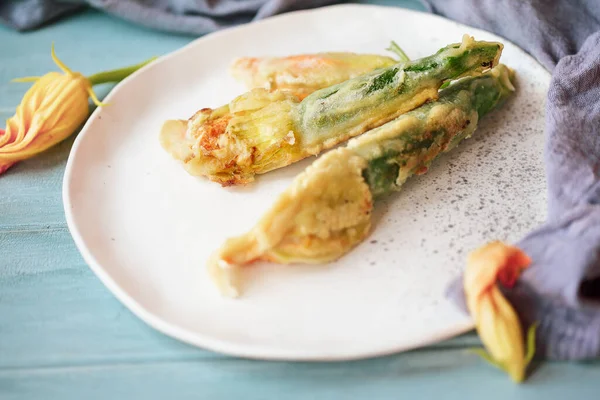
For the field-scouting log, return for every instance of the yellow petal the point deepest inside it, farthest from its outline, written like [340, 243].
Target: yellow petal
[496, 321]
[51, 110]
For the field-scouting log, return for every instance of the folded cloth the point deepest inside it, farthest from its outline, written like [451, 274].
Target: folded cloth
[181, 16]
[561, 289]
[29, 14]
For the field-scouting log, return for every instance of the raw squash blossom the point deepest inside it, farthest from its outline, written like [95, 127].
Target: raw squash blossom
[496, 321]
[51, 110]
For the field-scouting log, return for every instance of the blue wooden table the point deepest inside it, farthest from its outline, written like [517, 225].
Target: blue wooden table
[64, 336]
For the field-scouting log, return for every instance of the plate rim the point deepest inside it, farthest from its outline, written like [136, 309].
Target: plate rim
[257, 352]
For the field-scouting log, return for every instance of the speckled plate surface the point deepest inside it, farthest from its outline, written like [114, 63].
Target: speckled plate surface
[146, 227]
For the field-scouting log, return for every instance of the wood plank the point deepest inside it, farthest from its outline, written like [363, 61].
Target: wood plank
[445, 375]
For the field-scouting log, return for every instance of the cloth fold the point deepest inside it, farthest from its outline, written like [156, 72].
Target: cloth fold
[195, 17]
[561, 289]
[546, 29]
[30, 14]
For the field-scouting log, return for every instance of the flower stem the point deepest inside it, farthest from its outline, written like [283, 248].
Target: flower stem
[116, 75]
[394, 48]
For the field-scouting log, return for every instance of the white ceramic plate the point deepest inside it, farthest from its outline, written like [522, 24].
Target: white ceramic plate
[146, 227]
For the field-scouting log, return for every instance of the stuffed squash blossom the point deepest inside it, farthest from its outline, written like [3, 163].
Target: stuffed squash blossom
[305, 73]
[261, 131]
[327, 209]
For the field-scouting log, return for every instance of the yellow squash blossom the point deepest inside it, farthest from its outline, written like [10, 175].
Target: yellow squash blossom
[51, 110]
[496, 321]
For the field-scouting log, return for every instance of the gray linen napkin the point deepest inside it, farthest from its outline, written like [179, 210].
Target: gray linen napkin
[561, 289]
[181, 16]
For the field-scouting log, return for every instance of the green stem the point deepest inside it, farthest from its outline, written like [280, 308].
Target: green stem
[530, 343]
[116, 75]
[394, 48]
